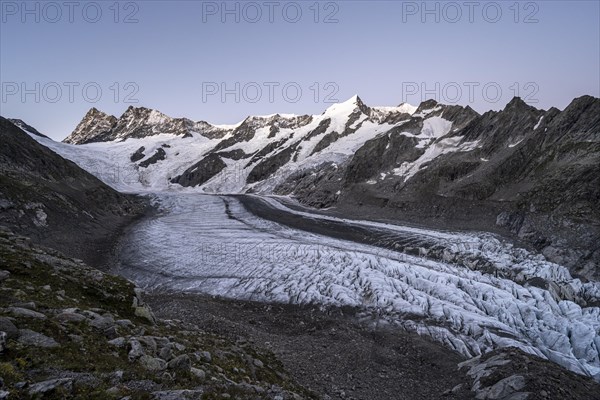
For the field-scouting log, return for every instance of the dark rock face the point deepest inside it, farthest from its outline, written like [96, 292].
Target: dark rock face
[318, 187]
[237, 154]
[247, 129]
[201, 172]
[320, 129]
[270, 165]
[158, 155]
[259, 155]
[138, 155]
[381, 154]
[327, 140]
[458, 115]
[55, 202]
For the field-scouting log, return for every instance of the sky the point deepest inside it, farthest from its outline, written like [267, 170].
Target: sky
[222, 61]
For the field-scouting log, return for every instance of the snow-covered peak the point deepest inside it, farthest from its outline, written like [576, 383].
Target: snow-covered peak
[345, 108]
[403, 108]
[406, 108]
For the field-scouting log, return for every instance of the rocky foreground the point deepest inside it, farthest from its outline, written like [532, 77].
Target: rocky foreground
[71, 331]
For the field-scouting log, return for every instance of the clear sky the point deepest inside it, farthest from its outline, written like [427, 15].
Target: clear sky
[221, 61]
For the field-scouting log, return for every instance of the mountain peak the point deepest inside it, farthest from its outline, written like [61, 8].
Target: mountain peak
[583, 101]
[132, 110]
[347, 107]
[426, 106]
[93, 112]
[93, 127]
[517, 104]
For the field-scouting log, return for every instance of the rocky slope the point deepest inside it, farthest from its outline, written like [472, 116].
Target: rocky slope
[68, 331]
[55, 202]
[330, 353]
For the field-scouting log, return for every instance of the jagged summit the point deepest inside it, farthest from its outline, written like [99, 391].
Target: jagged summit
[346, 107]
[426, 106]
[517, 104]
[94, 127]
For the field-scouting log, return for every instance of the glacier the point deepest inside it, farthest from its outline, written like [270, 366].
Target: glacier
[211, 244]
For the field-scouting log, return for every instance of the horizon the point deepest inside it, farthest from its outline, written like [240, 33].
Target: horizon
[224, 61]
[118, 115]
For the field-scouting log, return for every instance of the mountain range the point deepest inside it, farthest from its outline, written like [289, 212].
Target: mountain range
[526, 173]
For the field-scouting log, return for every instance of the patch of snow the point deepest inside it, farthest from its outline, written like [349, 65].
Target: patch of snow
[515, 144]
[404, 108]
[435, 127]
[424, 113]
[443, 146]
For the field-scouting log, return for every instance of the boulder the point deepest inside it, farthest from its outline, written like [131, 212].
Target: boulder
[66, 317]
[135, 349]
[118, 342]
[32, 338]
[42, 388]
[180, 363]
[25, 312]
[6, 325]
[152, 363]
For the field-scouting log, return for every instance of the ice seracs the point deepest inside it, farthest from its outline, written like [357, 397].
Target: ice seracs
[211, 244]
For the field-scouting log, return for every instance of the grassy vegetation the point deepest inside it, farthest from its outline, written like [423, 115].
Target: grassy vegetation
[47, 282]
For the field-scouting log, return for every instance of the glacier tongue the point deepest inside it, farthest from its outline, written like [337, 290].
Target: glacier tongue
[211, 244]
